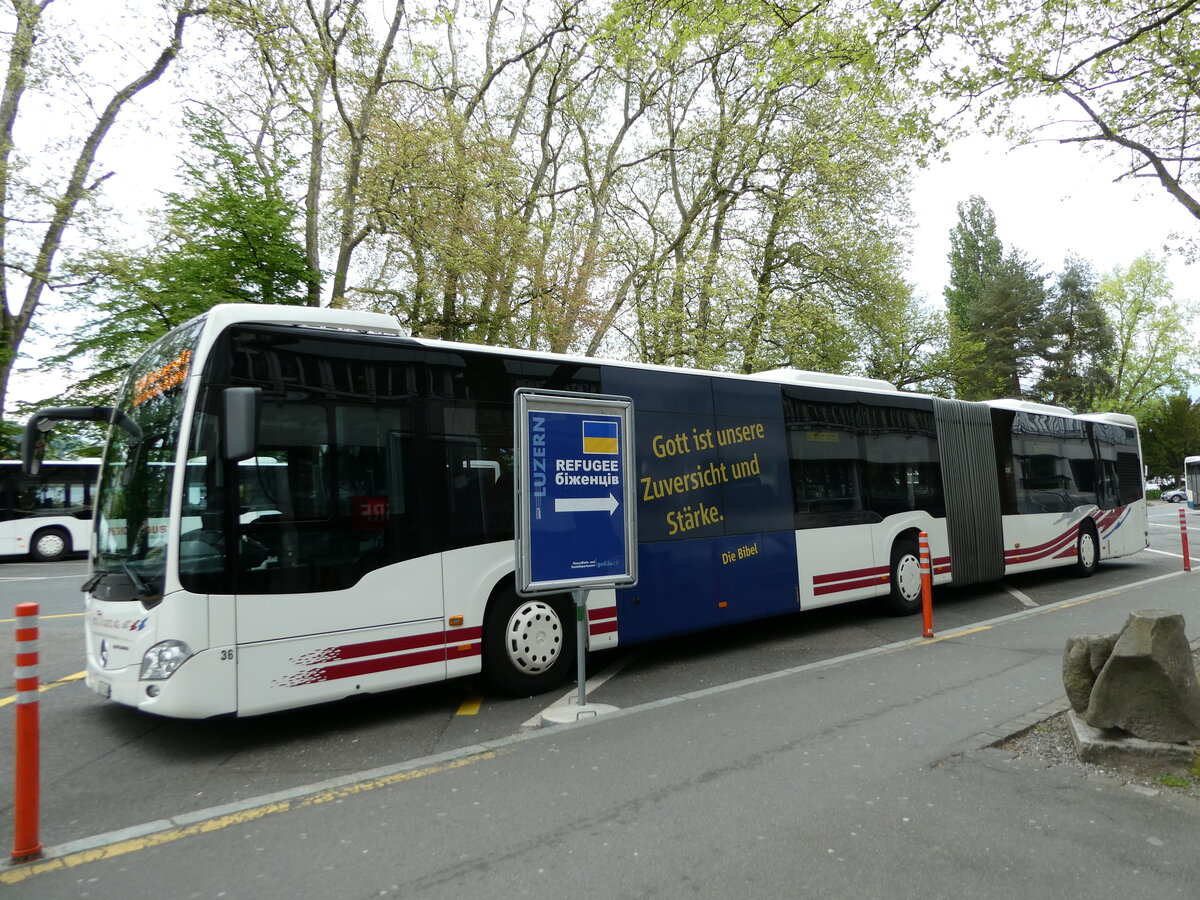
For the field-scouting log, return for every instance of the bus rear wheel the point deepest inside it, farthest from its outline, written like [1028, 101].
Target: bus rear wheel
[528, 642]
[905, 596]
[49, 544]
[1088, 552]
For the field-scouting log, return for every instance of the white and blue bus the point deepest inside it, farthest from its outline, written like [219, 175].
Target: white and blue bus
[48, 516]
[1191, 480]
[298, 505]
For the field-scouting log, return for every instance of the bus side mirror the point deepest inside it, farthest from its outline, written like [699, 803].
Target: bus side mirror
[239, 422]
[33, 445]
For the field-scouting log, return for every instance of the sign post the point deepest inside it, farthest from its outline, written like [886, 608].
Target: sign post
[576, 523]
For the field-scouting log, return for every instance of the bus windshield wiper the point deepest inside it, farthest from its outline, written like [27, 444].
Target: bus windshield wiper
[91, 583]
[138, 581]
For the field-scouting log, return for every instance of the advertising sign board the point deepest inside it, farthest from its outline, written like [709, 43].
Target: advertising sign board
[576, 517]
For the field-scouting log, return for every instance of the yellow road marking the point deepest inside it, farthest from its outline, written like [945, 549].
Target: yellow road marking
[169, 835]
[956, 634]
[66, 679]
[55, 616]
[471, 705]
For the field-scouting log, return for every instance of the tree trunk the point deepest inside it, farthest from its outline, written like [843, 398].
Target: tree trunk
[14, 326]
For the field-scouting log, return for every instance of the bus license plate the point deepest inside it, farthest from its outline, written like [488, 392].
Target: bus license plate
[104, 689]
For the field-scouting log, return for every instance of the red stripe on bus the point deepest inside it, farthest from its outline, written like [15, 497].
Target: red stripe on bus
[372, 666]
[1044, 549]
[1032, 554]
[605, 612]
[400, 644]
[602, 627]
[854, 573]
[851, 585]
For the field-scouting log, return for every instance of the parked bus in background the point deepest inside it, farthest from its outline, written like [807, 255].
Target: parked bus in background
[299, 505]
[47, 516]
[1191, 480]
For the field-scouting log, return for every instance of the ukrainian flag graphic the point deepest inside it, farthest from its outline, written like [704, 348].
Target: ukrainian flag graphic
[599, 437]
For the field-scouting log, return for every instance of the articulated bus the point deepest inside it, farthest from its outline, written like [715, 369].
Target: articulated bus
[1191, 480]
[48, 516]
[300, 505]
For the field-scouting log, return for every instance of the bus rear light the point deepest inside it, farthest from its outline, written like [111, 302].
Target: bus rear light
[161, 660]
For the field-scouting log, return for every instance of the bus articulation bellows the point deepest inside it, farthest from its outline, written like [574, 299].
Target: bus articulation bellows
[299, 505]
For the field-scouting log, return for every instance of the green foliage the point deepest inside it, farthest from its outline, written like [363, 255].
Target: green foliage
[227, 237]
[975, 257]
[1076, 373]
[1170, 430]
[718, 185]
[79, 85]
[1121, 76]
[1154, 352]
[1007, 319]
[996, 306]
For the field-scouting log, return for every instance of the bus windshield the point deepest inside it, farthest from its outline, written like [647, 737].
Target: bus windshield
[134, 494]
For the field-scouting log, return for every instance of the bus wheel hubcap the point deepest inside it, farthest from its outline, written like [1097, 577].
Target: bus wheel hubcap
[1087, 550]
[534, 637]
[908, 577]
[50, 545]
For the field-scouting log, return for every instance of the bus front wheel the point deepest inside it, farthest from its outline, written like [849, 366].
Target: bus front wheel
[50, 544]
[904, 598]
[528, 642]
[1088, 552]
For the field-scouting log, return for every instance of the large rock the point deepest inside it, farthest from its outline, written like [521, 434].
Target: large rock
[1083, 658]
[1148, 685]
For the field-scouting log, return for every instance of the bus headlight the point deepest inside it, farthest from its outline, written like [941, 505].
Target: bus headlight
[161, 660]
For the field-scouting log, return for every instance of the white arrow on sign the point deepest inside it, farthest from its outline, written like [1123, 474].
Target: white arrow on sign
[607, 504]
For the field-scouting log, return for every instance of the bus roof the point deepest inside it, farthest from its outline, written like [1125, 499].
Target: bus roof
[1030, 407]
[226, 314]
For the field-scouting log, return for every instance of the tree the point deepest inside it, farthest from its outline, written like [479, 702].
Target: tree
[1154, 353]
[1170, 431]
[1076, 372]
[764, 226]
[326, 69]
[994, 302]
[1007, 320]
[1128, 69]
[34, 218]
[976, 254]
[229, 236]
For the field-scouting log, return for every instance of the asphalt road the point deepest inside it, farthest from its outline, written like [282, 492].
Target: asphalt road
[106, 768]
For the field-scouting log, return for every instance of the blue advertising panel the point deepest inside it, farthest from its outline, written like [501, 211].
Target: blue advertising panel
[576, 521]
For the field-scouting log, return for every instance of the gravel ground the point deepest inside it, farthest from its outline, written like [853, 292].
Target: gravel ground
[1050, 741]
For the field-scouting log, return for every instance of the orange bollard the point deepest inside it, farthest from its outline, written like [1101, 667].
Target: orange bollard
[26, 845]
[926, 584]
[1187, 557]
